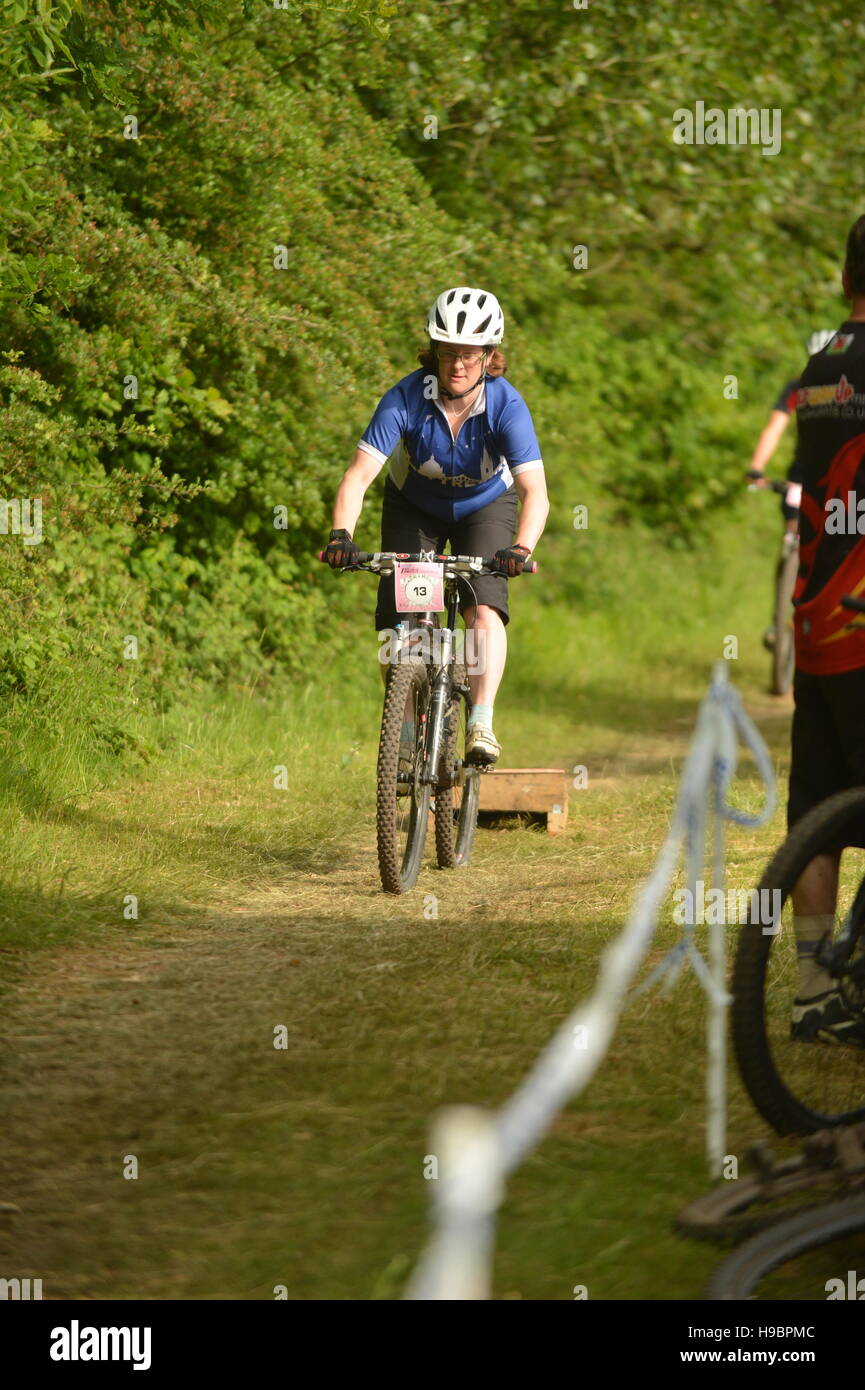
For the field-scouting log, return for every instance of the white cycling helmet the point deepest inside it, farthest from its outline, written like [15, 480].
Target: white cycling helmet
[817, 341]
[468, 316]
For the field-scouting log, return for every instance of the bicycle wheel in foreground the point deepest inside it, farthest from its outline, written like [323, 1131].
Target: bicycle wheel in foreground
[783, 654]
[769, 1265]
[797, 1086]
[455, 829]
[402, 803]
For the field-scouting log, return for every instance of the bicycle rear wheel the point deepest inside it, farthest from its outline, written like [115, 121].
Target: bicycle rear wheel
[455, 829]
[402, 803]
[743, 1271]
[783, 653]
[797, 1086]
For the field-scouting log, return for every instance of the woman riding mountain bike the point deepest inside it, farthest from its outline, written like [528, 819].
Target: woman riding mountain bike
[462, 450]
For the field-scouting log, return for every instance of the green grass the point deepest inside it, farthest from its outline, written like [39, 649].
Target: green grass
[260, 908]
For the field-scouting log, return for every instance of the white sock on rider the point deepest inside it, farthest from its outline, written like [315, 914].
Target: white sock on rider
[481, 714]
[813, 979]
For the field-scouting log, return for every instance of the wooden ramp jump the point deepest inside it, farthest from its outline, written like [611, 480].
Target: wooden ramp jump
[542, 790]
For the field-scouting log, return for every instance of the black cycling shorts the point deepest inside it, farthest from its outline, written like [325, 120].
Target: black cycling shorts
[828, 745]
[404, 527]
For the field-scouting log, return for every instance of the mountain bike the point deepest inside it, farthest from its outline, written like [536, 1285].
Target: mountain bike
[426, 705]
[779, 637]
[800, 1087]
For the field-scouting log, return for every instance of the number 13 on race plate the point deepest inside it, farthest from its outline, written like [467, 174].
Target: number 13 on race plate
[418, 587]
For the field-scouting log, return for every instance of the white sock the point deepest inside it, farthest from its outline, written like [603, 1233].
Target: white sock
[813, 979]
[481, 714]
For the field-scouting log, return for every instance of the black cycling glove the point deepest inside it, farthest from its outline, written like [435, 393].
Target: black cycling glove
[341, 550]
[511, 561]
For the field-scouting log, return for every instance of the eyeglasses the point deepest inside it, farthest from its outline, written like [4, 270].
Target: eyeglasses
[446, 355]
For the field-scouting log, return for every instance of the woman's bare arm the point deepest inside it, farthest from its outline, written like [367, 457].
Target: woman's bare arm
[534, 506]
[362, 470]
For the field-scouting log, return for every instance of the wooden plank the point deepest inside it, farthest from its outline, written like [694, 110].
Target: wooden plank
[522, 789]
[542, 790]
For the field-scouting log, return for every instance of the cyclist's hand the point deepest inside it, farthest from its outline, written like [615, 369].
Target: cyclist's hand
[511, 561]
[341, 550]
[755, 477]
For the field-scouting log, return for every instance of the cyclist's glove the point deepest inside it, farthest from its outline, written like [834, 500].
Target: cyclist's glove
[341, 550]
[511, 561]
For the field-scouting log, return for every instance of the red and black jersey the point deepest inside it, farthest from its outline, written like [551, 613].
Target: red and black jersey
[787, 402]
[830, 411]
[787, 399]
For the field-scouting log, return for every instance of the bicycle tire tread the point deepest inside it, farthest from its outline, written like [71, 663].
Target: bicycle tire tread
[766, 1089]
[742, 1270]
[393, 879]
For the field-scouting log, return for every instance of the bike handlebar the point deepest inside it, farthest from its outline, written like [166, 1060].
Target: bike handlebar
[379, 560]
[774, 484]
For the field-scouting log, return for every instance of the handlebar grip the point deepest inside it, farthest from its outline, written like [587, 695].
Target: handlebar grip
[363, 557]
[532, 568]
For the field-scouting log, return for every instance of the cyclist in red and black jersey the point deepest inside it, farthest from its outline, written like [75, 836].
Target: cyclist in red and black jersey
[770, 437]
[779, 418]
[828, 739]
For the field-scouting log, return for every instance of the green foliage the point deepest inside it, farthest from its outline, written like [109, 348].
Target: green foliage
[219, 229]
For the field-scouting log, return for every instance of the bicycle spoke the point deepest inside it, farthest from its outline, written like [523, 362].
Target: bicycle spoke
[824, 1077]
[800, 1085]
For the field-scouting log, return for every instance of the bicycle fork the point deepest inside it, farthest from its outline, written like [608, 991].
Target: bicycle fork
[439, 706]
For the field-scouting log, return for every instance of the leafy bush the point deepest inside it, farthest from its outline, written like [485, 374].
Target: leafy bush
[220, 228]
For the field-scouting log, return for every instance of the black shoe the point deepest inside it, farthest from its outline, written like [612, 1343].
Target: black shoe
[826, 1018]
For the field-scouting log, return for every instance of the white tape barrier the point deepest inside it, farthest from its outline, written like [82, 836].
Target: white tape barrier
[476, 1150]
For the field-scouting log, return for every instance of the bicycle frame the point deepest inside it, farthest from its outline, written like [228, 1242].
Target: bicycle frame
[780, 634]
[409, 779]
[836, 956]
[455, 567]
[441, 681]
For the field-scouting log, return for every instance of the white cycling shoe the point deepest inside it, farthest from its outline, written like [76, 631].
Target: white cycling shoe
[482, 746]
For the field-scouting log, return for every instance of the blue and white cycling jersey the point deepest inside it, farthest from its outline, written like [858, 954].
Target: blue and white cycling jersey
[447, 478]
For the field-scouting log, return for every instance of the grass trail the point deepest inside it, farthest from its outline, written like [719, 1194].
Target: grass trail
[259, 909]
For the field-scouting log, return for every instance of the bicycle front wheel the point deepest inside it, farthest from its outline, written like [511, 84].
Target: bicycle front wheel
[797, 1086]
[402, 802]
[455, 828]
[783, 652]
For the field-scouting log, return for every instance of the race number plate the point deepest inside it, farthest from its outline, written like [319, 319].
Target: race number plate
[418, 587]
